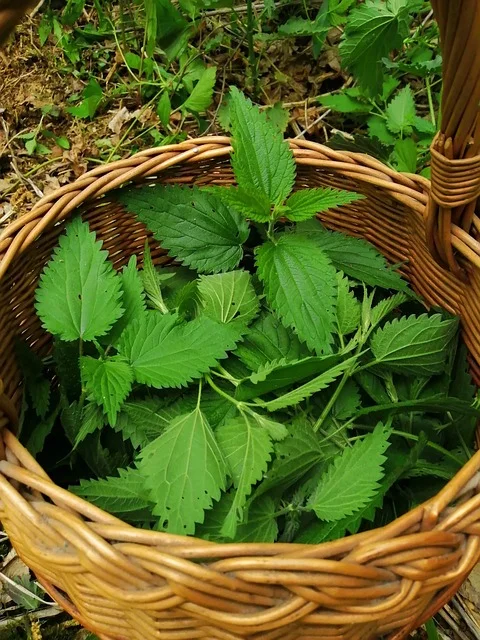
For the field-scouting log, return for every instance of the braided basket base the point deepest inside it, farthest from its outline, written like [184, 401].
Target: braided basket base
[129, 584]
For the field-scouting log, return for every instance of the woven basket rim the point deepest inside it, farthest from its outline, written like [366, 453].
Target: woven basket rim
[431, 522]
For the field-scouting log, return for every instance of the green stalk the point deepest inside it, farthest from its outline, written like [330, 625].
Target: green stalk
[252, 59]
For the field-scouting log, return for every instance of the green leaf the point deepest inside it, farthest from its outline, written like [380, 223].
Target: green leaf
[36, 441]
[184, 471]
[377, 128]
[142, 421]
[91, 98]
[91, 421]
[347, 402]
[133, 299]
[401, 112]
[195, 226]
[306, 203]
[385, 307]
[295, 456]
[343, 102]
[107, 382]
[253, 204]
[150, 280]
[229, 297]
[348, 307]
[67, 365]
[163, 353]
[247, 448]
[315, 385]
[432, 404]
[373, 386]
[405, 155]
[352, 480]
[278, 116]
[124, 495]
[36, 385]
[415, 345]
[300, 285]
[278, 374]
[260, 524]
[354, 256]
[164, 109]
[202, 95]
[268, 341]
[261, 157]
[371, 32]
[79, 292]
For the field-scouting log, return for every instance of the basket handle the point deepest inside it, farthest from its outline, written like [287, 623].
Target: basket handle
[451, 222]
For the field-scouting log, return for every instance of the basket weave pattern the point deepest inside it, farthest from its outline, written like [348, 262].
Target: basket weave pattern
[130, 584]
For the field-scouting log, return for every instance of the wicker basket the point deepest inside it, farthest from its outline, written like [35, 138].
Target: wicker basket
[129, 584]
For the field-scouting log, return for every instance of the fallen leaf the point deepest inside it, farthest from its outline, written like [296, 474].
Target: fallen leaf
[122, 116]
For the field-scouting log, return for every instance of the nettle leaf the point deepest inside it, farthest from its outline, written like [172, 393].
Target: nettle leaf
[79, 295]
[261, 157]
[133, 299]
[401, 112]
[123, 495]
[184, 471]
[415, 345]
[253, 204]
[300, 285]
[277, 374]
[306, 203]
[306, 390]
[247, 447]
[371, 32]
[295, 456]
[150, 280]
[108, 382]
[345, 102]
[91, 421]
[385, 307]
[202, 95]
[267, 341]
[194, 225]
[40, 433]
[347, 402]
[377, 128]
[275, 430]
[142, 421]
[348, 307]
[229, 297]
[163, 353]
[404, 155]
[354, 256]
[352, 480]
[260, 524]
[36, 385]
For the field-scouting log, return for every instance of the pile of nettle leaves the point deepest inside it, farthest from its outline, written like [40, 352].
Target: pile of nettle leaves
[283, 383]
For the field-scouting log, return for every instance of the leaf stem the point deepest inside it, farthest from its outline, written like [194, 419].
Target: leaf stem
[240, 405]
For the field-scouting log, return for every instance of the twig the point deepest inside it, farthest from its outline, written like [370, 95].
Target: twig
[310, 126]
[452, 624]
[466, 616]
